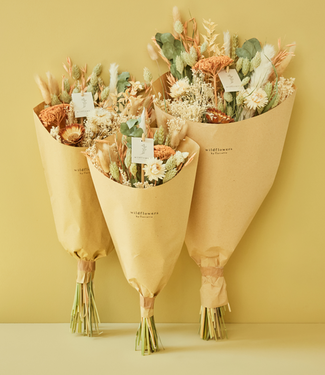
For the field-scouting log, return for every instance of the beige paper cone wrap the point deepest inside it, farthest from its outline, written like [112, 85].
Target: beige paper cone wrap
[79, 221]
[148, 226]
[237, 167]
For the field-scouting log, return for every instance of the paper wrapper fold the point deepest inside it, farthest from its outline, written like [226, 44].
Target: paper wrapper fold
[79, 221]
[148, 226]
[237, 167]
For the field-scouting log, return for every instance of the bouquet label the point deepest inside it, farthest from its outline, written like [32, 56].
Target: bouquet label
[230, 80]
[83, 104]
[142, 150]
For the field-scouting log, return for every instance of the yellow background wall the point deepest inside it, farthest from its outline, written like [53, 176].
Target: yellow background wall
[277, 273]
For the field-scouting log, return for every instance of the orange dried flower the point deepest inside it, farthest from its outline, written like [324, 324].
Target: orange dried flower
[72, 134]
[54, 116]
[163, 152]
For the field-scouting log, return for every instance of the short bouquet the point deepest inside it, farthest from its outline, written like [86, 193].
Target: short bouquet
[146, 207]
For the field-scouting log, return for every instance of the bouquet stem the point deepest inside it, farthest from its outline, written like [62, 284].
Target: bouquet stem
[84, 314]
[212, 323]
[146, 337]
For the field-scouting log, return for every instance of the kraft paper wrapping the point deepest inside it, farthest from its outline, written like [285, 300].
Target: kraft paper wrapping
[237, 167]
[79, 221]
[148, 226]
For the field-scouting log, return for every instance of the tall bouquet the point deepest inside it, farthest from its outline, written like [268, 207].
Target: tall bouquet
[62, 137]
[146, 208]
[236, 105]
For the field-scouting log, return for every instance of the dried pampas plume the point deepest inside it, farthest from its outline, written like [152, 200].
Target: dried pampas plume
[52, 84]
[113, 71]
[44, 89]
[178, 134]
[176, 17]
[152, 53]
[226, 41]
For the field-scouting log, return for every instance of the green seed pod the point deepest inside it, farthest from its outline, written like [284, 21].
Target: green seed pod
[147, 76]
[239, 64]
[268, 89]
[76, 72]
[179, 65]
[55, 100]
[169, 175]
[114, 171]
[256, 61]
[161, 135]
[203, 47]
[228, 97]
[234, 46]
[155, 138]
[66, 84]
[245, 81]
[105, 93]
[240, 99]
[94, 79]
[178, 27]
[76, 90]
[134, 170]
[167, 141]
[65, 97]
[97, 70]
[230, 111]
[128, 158]
[220, 106]
[246, 66]
[171, 163]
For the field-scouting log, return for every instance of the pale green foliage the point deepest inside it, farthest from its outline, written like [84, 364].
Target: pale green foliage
[179, 64]
[65, 97]
[155, 138]
[234, 46]
[114, 171]
[76, 72]
[230, 111]
[171, 163]
[203, 47]
[167, 141]
[188, 59]
[55, 100]
[128, 158]
[134, 170]
[220, 106]
[193, 53]
[228, 97]
[276, 100]
[161, 135]
[240, 99]
[256, 61]
[239, 64]
[169, 175]
[105, 93]
[94, 79]
[97, 69]
[246, 66]
[178, 27]
[66, 84]
[245, 81]
[268, 88]
[147, 76]
[76, 90]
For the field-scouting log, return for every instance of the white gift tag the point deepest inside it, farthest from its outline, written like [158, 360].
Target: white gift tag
[142, 150]
[230, 80]
[82, 104]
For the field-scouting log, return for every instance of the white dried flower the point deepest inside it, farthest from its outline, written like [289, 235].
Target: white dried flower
[180, 157]
[256, 99]
[179, 88]
[154, 169]
[285, 88]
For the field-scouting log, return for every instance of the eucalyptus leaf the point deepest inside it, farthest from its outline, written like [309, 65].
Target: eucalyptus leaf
[241, 52]
[168, 50]
[133, 121]
[158, 39]
[167, 38]
[175, 72]
[122, 81]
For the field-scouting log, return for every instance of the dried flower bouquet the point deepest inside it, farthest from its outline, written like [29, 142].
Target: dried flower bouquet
[238, 159]
[146, 209]
[62, 138]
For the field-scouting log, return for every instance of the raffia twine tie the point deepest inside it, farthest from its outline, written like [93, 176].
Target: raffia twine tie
[212, 271]
[86, 271]
[213, 289]
[147, 306]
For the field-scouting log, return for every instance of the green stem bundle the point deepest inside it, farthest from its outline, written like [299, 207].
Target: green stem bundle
[212, 323]
[146, 337]
[84, 314]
